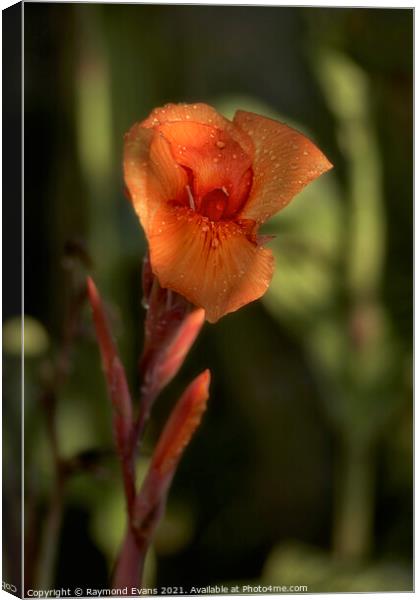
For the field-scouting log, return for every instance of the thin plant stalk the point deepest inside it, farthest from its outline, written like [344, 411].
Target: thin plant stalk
[355, 499]
[172, 326]
[52, 527]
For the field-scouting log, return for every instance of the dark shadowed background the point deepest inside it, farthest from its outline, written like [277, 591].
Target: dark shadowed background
[301, 473]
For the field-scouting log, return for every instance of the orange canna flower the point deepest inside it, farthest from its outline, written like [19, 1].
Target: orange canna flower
[202, 186]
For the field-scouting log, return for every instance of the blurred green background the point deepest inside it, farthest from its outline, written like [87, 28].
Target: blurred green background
[301, 473]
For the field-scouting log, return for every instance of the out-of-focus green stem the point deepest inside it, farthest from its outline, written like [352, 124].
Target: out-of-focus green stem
[354, 503]
[49, 542]
[52, 525]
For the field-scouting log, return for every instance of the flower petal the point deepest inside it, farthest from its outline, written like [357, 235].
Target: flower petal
[199, 113]
[151, 174]
[285, 162]
[218, 266]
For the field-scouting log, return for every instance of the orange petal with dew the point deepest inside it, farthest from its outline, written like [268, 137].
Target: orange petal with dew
[285, 162]
[199, 113]
[151, 174]
[218, 266]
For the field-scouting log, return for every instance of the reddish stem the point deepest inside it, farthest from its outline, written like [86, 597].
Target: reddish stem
[172, 326]
[151, 499]
[130, 564]
[119, 393]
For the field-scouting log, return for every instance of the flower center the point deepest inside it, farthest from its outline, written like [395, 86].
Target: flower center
[223, 202]
[214, 204]
[219, 171]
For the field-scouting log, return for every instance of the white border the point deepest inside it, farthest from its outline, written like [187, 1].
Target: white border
[290, 3]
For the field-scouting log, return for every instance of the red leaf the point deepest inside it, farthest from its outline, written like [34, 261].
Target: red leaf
[165, 351]
[184, 420]
[114, 372]
[176, 435]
